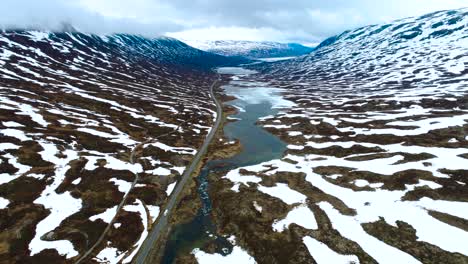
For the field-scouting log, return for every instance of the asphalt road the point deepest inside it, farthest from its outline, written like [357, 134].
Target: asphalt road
[162, 221]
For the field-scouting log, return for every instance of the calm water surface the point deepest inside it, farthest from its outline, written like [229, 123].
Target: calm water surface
[254, 101]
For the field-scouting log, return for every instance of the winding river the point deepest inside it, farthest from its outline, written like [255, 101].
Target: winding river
[254, 100]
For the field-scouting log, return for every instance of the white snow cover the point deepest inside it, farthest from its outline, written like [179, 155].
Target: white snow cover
[256, 49]
[257, 206]
[105, 216]
[446, 158]
[351, 229]
[120, 137]
[76, 181]
[408, 50]
[322, 254]
[140, 209]
[124, 186]
[170, 188]
[160, 171]
[284, 193]
[5, 177]
[4, 146]
[9, 132]
[370, 205]
[300, 215]
[294, 133]
[179, 150]
[60, 205]
[3, 203]
[33, 110]
[376, 80]
[237, 256]
[12, 124]
[112, 163]
[27, 110]
[109, 255]
[234, 70]
[154, 211]
[238, 179]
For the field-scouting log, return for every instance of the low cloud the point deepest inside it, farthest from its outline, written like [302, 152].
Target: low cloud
[278, 20]
[54, 14]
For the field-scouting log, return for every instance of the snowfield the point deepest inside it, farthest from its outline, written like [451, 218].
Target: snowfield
[376, 167]
[95, 131]
[251, 49]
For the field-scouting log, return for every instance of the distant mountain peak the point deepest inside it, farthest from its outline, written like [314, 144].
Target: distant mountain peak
[251, 49]
[430, 50]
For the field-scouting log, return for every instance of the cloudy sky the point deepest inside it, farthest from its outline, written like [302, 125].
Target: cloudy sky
[304, 21]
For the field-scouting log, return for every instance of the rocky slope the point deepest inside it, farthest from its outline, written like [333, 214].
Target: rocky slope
[86, 121]
[252, 49]
[423, 51]
[376, 169]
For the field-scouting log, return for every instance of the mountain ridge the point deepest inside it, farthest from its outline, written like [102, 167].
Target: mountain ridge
[251, 49]
[403, 52]
[162, 49]
[86, 120]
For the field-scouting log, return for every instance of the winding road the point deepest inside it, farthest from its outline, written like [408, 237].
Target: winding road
[162, 221]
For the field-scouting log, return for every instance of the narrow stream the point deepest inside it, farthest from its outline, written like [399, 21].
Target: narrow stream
[254, 101]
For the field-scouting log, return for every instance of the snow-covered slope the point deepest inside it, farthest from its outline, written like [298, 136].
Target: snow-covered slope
[377, 151]
[251, 49]
[428, 50]
[85, 121]
[161, 50]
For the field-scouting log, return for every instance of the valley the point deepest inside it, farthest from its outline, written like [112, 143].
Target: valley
[374, 165]
[125, 149]
[90, 144]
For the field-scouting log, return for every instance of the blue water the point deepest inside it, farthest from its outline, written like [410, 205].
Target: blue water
[258, 146]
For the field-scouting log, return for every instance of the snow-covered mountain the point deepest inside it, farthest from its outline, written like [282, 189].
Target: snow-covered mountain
[85, 121]
[95, 131]
[427, 50]
[376, 167]
[162, 50]
[251, 49]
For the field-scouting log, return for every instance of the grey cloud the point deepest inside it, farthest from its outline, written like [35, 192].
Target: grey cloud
[318, 18]
[52, 14]
[304, 20]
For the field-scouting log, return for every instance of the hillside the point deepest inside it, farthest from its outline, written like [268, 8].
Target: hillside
[356, 152]
[85, 121]
[376, 167]
[423, 51]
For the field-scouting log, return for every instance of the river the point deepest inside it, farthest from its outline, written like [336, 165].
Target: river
[254, 100]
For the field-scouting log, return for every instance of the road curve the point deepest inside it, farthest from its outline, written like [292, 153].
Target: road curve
[162, 221]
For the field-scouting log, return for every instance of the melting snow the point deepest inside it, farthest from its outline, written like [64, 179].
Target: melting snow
[170, 188]
[61, 206]
[284, 193]
[322, 254]
[3, 203]
[238, 255]
[140, 209]
[300, 215]
[105, 216]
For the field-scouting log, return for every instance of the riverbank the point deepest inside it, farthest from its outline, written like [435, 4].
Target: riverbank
[253, 101]
[189, 202]
[160, 227]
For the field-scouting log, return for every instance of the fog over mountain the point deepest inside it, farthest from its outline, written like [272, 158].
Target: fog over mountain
[266, 20]
[211, 132]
